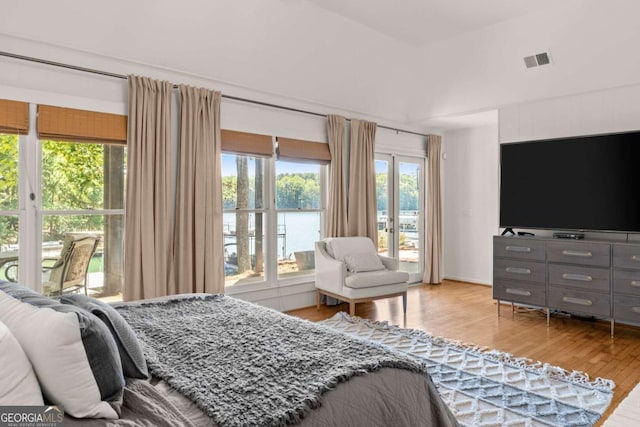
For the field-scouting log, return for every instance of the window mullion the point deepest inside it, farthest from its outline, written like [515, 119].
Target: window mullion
[271, 234]
[30, 239]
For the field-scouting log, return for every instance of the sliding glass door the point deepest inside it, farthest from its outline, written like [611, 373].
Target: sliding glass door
[400, 198]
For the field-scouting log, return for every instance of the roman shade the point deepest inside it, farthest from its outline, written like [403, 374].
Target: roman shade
[14, 117]
[246, 143]
[68, 124]
[303, 151]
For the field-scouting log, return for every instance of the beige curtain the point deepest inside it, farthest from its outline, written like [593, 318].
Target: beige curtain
[362, 207]
[433, 247]
[148, 269]
[336, 222]
[199, 264]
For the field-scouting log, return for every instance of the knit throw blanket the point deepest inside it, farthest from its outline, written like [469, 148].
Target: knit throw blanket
[248, 365]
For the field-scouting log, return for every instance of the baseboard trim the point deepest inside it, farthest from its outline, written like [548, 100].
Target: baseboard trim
[468, 280]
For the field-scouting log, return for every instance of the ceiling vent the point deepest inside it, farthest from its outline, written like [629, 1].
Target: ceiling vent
[537, 60]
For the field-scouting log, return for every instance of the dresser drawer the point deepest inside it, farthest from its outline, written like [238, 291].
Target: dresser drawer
[515, 269]
[626, 282]
[626, 256]
[584, 253]
[588, 278]
[580, 301]
[521, 292]
[509, 247]
[626, 308]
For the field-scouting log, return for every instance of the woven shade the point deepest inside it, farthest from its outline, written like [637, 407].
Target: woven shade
[14, 117]
[68, 124]
[246, 143]
[298, 150]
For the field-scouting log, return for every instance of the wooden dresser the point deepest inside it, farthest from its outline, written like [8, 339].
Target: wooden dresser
[585, 277]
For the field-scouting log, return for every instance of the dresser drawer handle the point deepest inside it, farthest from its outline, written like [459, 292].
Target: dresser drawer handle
[518, 270]
[635, 284]
[579, 301]
[568, 252]
[635, 309]
[578, 277]
[518, 292]
[635, 258]
[517, 249]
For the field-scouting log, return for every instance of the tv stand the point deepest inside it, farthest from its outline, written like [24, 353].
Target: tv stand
[508, 230]
[592, 278]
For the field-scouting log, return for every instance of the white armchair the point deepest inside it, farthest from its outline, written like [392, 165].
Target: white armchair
[351, 270]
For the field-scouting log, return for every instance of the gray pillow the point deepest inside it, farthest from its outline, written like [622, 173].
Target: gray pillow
[134, 364]
[99, 350]
[365, 261]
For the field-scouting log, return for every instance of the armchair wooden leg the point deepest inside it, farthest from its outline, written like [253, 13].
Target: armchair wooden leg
[404, 302]
[352, 308]
[318, 299]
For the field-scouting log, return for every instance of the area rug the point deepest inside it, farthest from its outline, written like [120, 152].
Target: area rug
[484, 387]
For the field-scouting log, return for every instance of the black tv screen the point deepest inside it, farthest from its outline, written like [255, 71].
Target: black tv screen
[580, 183]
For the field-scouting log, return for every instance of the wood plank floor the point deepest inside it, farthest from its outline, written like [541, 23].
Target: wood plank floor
[466, 312]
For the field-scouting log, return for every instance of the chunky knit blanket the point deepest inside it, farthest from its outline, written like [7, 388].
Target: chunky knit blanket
[248, 365]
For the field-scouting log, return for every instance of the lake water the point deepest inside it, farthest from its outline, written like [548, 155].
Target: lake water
[297, 231]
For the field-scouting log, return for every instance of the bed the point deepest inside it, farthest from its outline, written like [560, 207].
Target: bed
[218, 361]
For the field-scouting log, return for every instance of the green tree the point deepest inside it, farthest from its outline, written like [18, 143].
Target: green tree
[229, 186]
[409, 195]
[297, 191]
[72, 179]
[382, 193]
[8, 187]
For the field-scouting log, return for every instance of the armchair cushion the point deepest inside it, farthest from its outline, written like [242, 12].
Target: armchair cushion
[369, 279]
[365, 261]
[339, 247]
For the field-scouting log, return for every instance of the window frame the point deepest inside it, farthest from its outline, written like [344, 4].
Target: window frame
[323, 181]
[271, 279]
[266, 210]
[42, 212]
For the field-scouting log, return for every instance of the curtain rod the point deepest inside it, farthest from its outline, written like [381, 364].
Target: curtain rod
[234, 98]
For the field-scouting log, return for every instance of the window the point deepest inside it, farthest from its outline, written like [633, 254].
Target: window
[9, 213]
[273, 209]
[83, 192]
[299, 209]
[243, 195]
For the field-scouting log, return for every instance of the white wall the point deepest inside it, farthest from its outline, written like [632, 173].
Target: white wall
[470, 211]
[37, 83]
[605, 111]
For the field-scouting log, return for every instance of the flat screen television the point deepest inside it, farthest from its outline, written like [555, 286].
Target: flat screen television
[589, 183]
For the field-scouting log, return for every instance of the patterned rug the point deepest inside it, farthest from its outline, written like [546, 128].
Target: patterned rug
[485, 387]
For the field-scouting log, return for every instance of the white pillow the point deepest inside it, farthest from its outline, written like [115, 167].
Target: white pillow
[366, 261]
[19, 385]
[53, 343]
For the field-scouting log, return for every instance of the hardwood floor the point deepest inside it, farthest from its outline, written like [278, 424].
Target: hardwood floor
[466, 312]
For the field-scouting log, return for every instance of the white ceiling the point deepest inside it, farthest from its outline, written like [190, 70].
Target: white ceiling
[417, 63]
[419, 22]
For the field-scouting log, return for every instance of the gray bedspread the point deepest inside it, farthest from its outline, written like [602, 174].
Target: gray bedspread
[386, 398]
[143, 406]
[382, 397]
[248, 365]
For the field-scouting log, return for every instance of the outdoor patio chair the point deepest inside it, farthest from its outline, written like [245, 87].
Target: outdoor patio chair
[69, 272]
